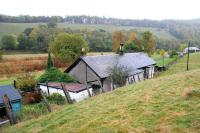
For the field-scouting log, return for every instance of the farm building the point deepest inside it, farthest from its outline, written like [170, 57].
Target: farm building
[191, 50]
[77, 91]
[14, 103]
[94, 70]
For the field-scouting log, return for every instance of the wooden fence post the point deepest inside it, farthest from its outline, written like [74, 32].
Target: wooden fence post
[48, 89]
[45, 100]
[9, 111]
[88, 89]
[101, 86]
[69, 100]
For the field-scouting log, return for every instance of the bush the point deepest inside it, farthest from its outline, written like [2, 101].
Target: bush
[173, 53]
[56, 98]
[30, 111]
[118, 75]
[55, 75]
[26, 82]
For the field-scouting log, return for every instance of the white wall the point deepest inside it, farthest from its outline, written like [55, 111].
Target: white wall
[76, 96]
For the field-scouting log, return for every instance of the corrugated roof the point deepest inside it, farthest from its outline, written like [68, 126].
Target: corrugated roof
[12, 93]
[73, 87]
[132, 61]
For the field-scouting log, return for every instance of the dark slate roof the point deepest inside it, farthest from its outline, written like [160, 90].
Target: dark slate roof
[101, 63]
[12, 93]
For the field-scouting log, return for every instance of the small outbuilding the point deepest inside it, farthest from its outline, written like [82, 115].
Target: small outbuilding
[94, 70]
[191, 50]
[76, 91]
[14, 97]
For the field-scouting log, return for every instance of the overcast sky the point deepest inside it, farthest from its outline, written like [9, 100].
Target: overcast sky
[132, 9]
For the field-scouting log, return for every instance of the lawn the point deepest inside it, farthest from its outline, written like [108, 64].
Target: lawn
[162, 104]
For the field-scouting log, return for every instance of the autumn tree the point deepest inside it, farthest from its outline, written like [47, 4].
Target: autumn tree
[148, 42]
[132, 37]
[118, 37]
[68, 47]
[162, 54]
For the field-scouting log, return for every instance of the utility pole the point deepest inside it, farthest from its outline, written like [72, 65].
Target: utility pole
[188, 57]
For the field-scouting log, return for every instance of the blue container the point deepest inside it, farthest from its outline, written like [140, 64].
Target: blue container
[16, 106]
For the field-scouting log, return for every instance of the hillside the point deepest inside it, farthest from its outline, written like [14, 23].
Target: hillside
[181, 64]
[165, 104]
[16, 28]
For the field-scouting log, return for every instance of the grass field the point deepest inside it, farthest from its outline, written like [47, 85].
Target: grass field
[16, 28]
[157, 105]
[181, 65]
[159, 60]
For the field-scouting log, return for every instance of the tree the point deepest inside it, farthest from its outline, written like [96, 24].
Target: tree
[68, 47]
[25, 42]
[132, 37]
[49, 61]
[118, 37]
[52, 24]
[131, 47]
[162, 54]
[27, 31]
[118, 75]
[148, 42]
[9, 42]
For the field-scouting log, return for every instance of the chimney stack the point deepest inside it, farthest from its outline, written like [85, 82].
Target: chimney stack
[14, 84]
[83, 51]
[121, 52]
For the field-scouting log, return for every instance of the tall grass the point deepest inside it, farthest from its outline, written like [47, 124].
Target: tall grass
[18, 65]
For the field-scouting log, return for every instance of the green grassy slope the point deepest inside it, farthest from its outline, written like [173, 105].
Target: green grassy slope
[16, 28]
[155, 105]
[180, 66]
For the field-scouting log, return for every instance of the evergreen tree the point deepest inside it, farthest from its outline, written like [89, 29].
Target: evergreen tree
[49, 61]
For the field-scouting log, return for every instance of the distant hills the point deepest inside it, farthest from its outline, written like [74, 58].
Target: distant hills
[175, 30]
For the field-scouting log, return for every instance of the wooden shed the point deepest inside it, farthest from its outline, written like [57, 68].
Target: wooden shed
[8, 91]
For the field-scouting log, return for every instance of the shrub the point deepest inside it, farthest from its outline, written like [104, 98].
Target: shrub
[55, 75]
[173, 53]
[118, 75]
[56, 98]
[26, 82]
[30, 111]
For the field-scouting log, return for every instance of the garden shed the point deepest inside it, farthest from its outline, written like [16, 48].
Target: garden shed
[15, 101]
[94, 70]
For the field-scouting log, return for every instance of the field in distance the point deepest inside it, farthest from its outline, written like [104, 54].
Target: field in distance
[16, 28]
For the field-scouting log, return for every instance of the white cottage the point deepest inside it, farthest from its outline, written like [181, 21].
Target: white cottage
[93, 70]
[77, 91]
[191, 50]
